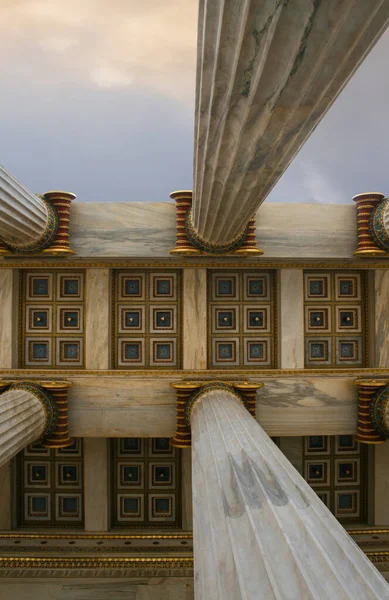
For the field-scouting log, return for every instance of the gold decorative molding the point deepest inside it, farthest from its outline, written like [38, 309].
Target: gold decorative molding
[370, 531]
[92, 536]
[104, 563]
[139, 263]
[232, 375]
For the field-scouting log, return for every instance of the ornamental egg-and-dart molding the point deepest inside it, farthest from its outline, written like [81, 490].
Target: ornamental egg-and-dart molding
[55, 239]
[189, 243]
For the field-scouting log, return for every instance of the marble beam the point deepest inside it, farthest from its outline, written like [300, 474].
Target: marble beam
[147, 230]
[267, 72]
[146, 407]
[24, 217]
[260, 531]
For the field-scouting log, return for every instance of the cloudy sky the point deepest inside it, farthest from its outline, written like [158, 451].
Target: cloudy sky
[97, 98]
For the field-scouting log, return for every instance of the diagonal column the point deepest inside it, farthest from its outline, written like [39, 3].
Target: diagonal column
[25, 219]
[28, 413]
[260, 531]
[22, 422]
[267, 72]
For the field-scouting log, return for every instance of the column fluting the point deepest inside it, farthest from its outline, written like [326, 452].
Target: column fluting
[260, 531]
[22, 422]
[24, 217]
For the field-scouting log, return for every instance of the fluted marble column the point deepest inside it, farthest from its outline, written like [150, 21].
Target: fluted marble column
[267, 72]
[22, 422]
[24, 217]
[260, 531]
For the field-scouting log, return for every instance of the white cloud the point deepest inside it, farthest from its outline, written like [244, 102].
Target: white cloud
[153, 41]
[316, 186]
[58, 45]
[107, 77]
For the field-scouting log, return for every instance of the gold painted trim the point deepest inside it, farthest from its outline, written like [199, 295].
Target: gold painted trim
[139, 263]
[377, 557]
[77, 563]
[87, 536]
[371, 383]
[367, 531]
[200, 375]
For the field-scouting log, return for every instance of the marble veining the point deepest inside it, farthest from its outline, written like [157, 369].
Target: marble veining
[260, 531]
[148, 230]
[267, 73]
[132, 229]
[317, 406]
[140, 407]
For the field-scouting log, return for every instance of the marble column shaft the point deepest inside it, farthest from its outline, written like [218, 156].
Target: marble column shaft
[260, 531]
[23, 216]
[22, 422]
[267, 72]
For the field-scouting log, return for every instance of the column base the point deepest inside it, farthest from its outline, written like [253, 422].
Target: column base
[362, 440]
[58, 252]
[373, 253]
[186, 251]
